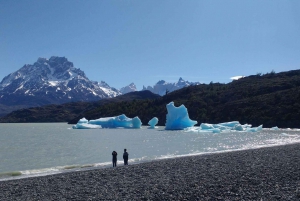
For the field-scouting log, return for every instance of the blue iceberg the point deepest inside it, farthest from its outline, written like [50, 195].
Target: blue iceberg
[178, 118]
[136, 123]
[109, 122]
[84, 124]
[224, 127]
[153, 122]
[275, 128]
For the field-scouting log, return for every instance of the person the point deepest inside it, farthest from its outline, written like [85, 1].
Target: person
[114, 158]
[125, 157]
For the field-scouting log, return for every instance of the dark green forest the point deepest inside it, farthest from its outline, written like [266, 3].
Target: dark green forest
[272, 99]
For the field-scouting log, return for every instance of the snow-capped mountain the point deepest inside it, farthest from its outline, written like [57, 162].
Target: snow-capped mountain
[129, 88]
[162, 87]
[51, 81]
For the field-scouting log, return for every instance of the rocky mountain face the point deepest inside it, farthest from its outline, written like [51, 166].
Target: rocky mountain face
[162, 87]
[129, 88]
[57, 81]
[51, 81]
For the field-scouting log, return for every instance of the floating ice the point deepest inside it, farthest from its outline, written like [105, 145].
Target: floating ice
[275, 128]
[178, 118]
[254, 129]
[224, 127]
[83, 121]
[110, 122]
[153, 122]
[85, 126]
[136, 122]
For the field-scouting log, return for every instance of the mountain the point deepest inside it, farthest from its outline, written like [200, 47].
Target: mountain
[68, 111]
[129, 88]
[50, 81]
[272, 99]
[162, 87]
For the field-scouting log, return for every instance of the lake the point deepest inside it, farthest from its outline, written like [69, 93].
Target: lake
[35, 149]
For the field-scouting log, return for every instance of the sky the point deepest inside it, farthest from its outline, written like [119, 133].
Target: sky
[144, 41]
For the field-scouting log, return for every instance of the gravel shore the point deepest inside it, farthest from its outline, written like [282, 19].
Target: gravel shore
[260, 174]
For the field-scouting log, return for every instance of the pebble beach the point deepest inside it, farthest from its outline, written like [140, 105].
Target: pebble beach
[271, 173]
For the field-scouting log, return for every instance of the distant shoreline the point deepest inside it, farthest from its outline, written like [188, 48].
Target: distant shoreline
[266, 173]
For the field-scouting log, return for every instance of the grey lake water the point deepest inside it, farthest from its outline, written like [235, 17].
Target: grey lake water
[35, 149]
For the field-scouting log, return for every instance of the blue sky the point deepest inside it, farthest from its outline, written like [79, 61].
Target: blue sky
[143, 42]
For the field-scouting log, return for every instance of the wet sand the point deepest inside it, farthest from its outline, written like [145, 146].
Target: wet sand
[260, 174]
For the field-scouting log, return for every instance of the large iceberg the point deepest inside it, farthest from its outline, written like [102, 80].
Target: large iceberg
[153, 122]
[224, 127]
[110, 122]
[178, 118]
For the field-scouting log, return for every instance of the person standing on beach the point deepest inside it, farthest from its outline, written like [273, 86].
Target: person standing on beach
[125, 157]
[114, 158]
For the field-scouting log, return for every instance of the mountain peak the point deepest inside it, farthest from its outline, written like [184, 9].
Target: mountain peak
[161, 87]
[130, 88]
[52, 81]
[58, 59]
[161, 82]
[42, 60]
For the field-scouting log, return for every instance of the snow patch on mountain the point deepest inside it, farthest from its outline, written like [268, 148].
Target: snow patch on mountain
[162, 87]
[55, 79]
[130, 88]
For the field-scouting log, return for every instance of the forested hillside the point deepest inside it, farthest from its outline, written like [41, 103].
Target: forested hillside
[272, 99]
[68, 111]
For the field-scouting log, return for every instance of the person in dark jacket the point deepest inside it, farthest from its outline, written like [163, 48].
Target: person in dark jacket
[114, 158]
[125, 157]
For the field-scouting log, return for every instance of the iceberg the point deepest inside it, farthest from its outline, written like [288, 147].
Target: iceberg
[275, 128]
[136, 122]
[153, 122]
[224, 127]
[84, 124]
[254, 129]
[178, 118]
[110, 122]
[83, 121]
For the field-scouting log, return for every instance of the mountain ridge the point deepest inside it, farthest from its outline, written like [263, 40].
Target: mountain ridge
[162, 87]
[57, 81]
[272, 99]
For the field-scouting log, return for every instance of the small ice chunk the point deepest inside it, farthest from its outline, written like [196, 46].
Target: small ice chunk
[206, 126]
[153, 122]
[85, 126]
[224, 127]
[83, 120]
[254, 129]
[238, 127]
[230, 124]
[275, 128]
[136, 122]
